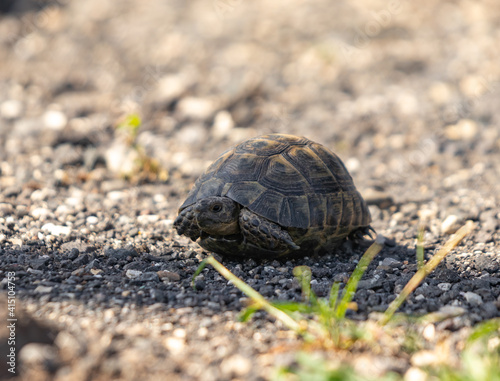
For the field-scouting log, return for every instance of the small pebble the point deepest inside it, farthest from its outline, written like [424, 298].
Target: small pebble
[424, 358]
[56, 230]
[450, 224]
[11, 109]
[429, 332]
[415, 374]
[390, 262]
[196, 108]
[169, 275]
[43, 289]
[175, 345]
[235, 366]
[223, 124]
[444, 286]
[147, 219]
[465, 129]
[54, 120]
[472, 298]
[132, 274]
[6, 209]
[92, 220]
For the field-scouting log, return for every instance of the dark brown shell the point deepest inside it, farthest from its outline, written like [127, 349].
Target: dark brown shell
[289, 180]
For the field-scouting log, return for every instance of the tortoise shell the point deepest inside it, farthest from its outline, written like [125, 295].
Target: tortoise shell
[291, 181]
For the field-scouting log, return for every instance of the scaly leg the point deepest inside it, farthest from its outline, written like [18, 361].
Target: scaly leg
[264, 234]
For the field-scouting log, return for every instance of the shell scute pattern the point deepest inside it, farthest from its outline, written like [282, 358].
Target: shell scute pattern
[278, 172]
[313, 170]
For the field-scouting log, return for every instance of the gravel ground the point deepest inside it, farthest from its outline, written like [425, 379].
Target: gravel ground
[406, 94]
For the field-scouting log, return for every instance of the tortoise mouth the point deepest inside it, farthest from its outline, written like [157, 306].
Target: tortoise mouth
[229, 238]
[222, 244]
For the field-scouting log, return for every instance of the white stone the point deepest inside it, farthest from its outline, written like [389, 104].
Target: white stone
[474, 86]
[92, 220]
[11, 109]
[16, 241]
[353, 164]
[74, 201]
[236, 365]
[472, 298]
[449, 225]
[168, 223]
[424, 358]
[196, 108]
[159, 198]
[43, 194]
[192, 134]
[429, 332]
[116, 195]
[121, 158]
[223, 124]
[407, 103]
[123, 220]
[147, 219]
[415, 374]
[444, 286]
[180, 333]
[465, 129]
[171, 86]
[62, 209]
[34, 355]
[440, 92]
[131, 274]
[427, 214]
[54, 119]
[56, 230]
[43, 289]
[175, 345]
[203, 332]
[40, 213]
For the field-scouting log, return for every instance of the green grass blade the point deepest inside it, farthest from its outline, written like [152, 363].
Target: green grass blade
[485, 329]
[304, 275]
[131, 123]
[198, 272]
[247, 313]
[334, 295]
[420, 248]
[290, 307]
[357, 274]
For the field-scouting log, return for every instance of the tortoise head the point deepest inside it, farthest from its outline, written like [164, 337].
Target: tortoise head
[217, 215]
[211, 215]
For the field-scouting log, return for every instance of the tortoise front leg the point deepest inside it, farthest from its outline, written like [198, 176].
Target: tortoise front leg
[186, 224]
[264, 234]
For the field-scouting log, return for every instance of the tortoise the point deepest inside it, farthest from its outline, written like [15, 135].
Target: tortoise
[274, 195]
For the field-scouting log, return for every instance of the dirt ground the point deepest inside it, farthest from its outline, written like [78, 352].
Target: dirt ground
[406, 93]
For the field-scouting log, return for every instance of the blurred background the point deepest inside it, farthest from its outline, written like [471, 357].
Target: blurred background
[109, 110]
[97, 92]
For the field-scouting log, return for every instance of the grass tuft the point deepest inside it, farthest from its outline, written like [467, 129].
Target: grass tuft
[328, 324]
[420, 247]
[146, 167]
[322, 323]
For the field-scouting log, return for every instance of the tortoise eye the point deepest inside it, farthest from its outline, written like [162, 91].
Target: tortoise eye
[216, 208]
